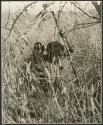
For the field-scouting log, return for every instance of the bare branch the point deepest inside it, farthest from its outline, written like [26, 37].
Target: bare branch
[18, 17]
[68, 47]
[93, 17]
[25, 8]
[85, 24]
[82, 25]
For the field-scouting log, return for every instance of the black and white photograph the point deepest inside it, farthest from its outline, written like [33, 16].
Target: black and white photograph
[51, 62]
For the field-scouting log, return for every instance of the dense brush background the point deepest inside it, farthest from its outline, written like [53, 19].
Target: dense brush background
[21, 94]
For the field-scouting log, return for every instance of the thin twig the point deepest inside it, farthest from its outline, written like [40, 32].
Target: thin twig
[8, 16]
[43, 11]
[5, 28]
[61, 9]
[22, 39]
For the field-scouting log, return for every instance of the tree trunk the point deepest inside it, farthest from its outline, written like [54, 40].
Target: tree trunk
[97, 7]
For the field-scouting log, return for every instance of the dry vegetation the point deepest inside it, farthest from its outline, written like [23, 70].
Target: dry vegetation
[26, 98]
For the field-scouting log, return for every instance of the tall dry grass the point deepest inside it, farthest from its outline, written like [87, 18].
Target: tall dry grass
[28, 99]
